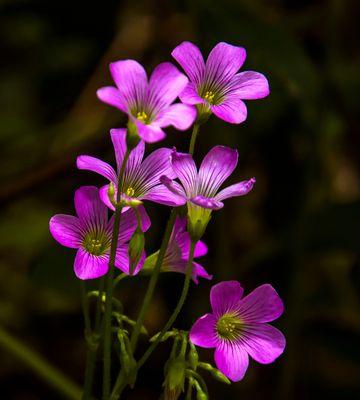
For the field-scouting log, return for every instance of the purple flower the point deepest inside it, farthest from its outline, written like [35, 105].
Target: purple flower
[216, 84]
[148, 103]
[142, 177]
[201, 189]
[90, 232]
[237, 327]
[177, 253]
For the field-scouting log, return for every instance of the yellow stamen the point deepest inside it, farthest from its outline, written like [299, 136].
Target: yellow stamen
[209, 96]
[130, 192]
[142, 116]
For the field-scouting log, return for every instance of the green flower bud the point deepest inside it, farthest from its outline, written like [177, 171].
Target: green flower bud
[193, 357]
[136, 248]
[111, 194]
[218, 375]
[132, 136]
[175, 378]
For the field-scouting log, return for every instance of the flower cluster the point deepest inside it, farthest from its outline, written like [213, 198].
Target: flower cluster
[237, 326]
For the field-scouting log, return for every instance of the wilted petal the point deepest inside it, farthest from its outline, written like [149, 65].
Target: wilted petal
[207, 202]
[185, 169]
[181, 116]
[232, 360]
[225, 297]
[88, 266]
[262, 305]
[199, 271]
[162, 195]
[130, 78]
[93, 164]
[232, 110]
[203, 332]
[238, 189]
[174, 187]
[263, 342]
[166, 83]
[190, 95]
[190, 58]
[224, 61]
[112, 96]
[89, 207]
[67, 230]
[249, 85]
[216, 167]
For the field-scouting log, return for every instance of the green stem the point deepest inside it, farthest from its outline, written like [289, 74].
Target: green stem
[40, 366]
[109, 286]
[194, 135]
[177, 310]
[153, 279]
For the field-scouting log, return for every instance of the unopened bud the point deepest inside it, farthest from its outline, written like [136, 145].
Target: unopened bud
[193, 357]
[165, 336]
[136, 248]
[111, 193]
[132, 136]
[218, 375]
[175, 378]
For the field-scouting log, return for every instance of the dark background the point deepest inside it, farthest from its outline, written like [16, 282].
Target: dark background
[298, 230]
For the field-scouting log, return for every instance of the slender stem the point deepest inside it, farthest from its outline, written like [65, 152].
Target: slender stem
[85, 308]
[119, 278]
[109, 286]
[153, 279]
[194, 135]
[177, 310]
[40, 366]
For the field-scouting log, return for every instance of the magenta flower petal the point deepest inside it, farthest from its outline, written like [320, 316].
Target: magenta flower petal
[238, 189]
[190, 58]
[150, 133]
[225, 297]
[224, 61]
[207, 202]
[162, 195]
[262, 305]
[199, 272]
[203, 332]
[130, 78]
[200, 249]
[166, 83]
[66, 229]
[232, 360]
[232, 110]
[181, 116]
[264, 343]
[95, 165]
[185, 169]
[112, 96]
[118, 138]
[173, 187]
[103, 194]
[216, 167]
[249, 85]
[88, 266]
[190, 95]
[89, 207]
[122, 261]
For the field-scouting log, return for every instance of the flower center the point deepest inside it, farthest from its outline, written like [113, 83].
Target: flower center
[96, 243]
[209, 96]
[229, 327]
[142, 116]
[130, 192]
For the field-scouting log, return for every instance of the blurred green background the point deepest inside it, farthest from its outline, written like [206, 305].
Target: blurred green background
[298, 230]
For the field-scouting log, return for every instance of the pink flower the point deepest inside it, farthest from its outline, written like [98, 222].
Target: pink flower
[216, 84]
[149, 103]
[237, 327]
[90, 233]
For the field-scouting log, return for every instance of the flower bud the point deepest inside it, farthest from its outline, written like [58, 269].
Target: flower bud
[193, 357]
[111, 194]
[136, 248]
[132, 136]
[175, 378]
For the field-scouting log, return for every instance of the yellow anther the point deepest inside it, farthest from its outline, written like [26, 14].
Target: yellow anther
[142, 116]
[209, 96]
[130, 192]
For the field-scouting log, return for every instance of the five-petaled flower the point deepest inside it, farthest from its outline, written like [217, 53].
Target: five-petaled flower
[216, 85]
[149, 103]
[201, 189]
[141, 178]
[177, 253]
[90, 232]
[237, 327]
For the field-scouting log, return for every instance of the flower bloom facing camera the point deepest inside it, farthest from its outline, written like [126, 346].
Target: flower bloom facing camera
[90, 232]
[141, 177]
[237, 327]
[215, 86]
[149, 103]
[201, 189]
